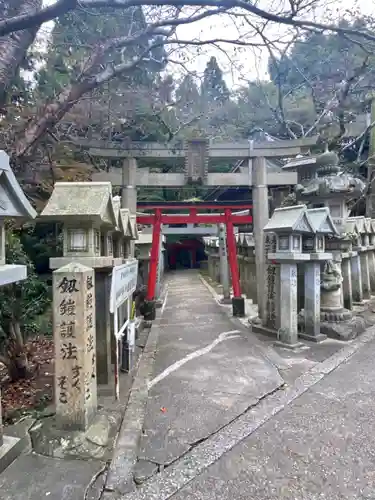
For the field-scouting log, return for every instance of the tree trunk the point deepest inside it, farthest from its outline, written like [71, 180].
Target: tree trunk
[13, 48]
[51, 114]
[16, 357]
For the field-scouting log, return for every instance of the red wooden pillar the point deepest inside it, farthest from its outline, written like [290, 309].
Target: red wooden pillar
[154, 257]
[232, 253]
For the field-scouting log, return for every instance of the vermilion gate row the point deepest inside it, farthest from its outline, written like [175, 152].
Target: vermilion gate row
[227, 217]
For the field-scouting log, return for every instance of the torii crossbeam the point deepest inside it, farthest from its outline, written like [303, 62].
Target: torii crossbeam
[226, 216]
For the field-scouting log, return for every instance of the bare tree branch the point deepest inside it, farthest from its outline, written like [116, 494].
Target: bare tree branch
[289, 18]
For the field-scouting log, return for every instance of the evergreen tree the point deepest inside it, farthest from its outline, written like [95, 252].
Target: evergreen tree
[214, 89]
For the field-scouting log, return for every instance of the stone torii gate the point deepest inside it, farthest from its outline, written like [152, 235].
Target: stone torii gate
[196, 155]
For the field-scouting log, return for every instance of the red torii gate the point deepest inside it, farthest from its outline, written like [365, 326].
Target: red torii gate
[158, 218]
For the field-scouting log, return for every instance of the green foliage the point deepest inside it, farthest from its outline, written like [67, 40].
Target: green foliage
[214, 88]
[41, 242]
[322, 61]
[23, 301]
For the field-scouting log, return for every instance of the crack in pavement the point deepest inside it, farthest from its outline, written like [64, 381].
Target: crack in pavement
[165, 486]
[194, 444]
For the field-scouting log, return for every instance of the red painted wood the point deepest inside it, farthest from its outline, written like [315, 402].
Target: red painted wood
[154, 257]
[198, 206]
[232, 253]
[194, 219]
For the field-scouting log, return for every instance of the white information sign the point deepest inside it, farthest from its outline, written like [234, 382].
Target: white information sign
[124, 283]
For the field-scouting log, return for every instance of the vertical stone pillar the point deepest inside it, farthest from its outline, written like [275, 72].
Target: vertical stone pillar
[129, 190]
[160, 268]
[312, 302]
[223, 255]
[347, 282]
[1, 425]
[371, 267]
[74, 336]
[273, 281]
[260, 219]
[288, 332]
[103, 327]
[366, 288]
[209, 262]
[356, 278]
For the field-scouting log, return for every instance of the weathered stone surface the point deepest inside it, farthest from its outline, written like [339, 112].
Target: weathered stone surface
[33, 477]
[143, 470]
[75, 346]
[99, 432]
[96, 443]
[10, 449]
[345, 330]
[321, 446]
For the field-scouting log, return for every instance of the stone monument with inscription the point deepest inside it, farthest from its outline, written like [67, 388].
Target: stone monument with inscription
[196, 161]
[91, 226]
[75, 346]
[13, 204]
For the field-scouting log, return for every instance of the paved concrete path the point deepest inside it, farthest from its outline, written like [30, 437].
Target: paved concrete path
[322, 446]
[207, 372]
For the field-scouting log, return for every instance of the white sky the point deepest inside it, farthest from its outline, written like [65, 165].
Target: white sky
[246, 63]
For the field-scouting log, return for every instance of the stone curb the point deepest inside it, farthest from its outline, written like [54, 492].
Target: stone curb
[174, 478]
[119, 477]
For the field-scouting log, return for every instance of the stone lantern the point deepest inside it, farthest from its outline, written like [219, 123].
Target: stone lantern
[289, 225]
[13, 204]
[362, 247]
[89, 220]
[124, 231]
[88, 215]
[352, 234]
[371, 256]
[321, 183]
[314, 244]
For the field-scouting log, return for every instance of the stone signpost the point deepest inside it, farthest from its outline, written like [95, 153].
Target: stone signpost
[75, 346]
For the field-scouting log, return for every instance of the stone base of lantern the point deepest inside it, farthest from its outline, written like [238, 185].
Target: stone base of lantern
[335, 315]
[344, 330]
[286, 345]
[313, 338]
[11, 448]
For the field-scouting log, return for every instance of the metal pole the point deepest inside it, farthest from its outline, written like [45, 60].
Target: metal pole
[117, 381]
[223, 254]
